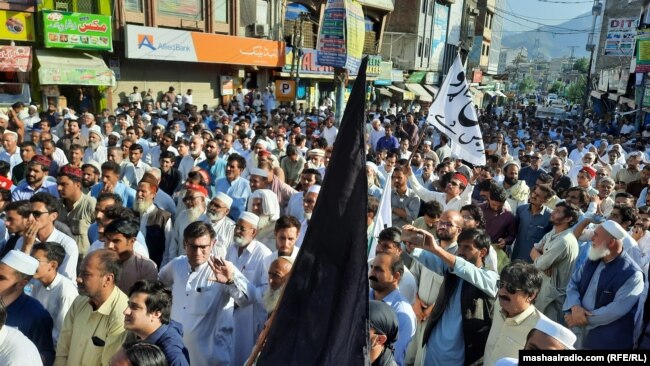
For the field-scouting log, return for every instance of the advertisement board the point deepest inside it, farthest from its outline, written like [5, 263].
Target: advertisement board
[16, 26]
[77, 31]
[15, 58]
[178, 45]
[341, 35]
[620, 37]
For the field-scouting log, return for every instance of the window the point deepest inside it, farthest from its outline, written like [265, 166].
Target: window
[420, 47]
[188, 9]
[220, 11]
[483, 49]
[79, 6]
[427, 47]
[424, 6]
[487, 50]
[133, 5]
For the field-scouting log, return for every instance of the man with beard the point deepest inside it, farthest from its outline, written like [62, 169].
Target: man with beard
[278, 275]
[93, 330]
[286, 233]
[111, 184]
[264, 204]
[35, 180]
[192, 159]
[456, 331]
[213, 164]
[96, 150]
[555, 256]
[603, 296]
[234, 185]
[73, 137]
[247, 255]
[148, 318]
[514, 314]
[267, 178]
[309, 202]
[80, 206]
[517, 189]
[155, 224]
[120, 236]
[308, 178]
[316, 157]
[223, 226]
[385, 273]
[91, 174]
[561, 181]
[405, 203]
[195, 203]
[23, 311]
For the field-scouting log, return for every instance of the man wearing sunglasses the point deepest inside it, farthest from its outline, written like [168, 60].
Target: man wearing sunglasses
[41, 229]
[458, 326]
[514, 313]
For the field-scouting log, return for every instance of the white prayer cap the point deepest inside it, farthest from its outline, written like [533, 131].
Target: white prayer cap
[250, 217]
[373, 166]
[116, 134]
[262, 143]
[562, 149]
[287, 258]
[317, 152]
[555, 330]
[427, 142]
[33, 107]
[96, 130]
[259, 172]
[21, 262]
[614, 229]
[9, 132]
[512, 162]
[224, 198]
[314, 189]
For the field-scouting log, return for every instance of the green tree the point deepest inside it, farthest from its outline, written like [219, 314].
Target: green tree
[527, 85]
[581, 65]
[556, 88]
[575, 92]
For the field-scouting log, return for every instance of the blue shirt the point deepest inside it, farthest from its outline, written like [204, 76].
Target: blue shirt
[24, 192]
[216, 171]
[165, 202]
[126, 193]
[446, 345]
[169, 338]
[30, 317]
[239, 190]
[529, 175]
[405, 320]
[388, 143]
[93, 234]
[530, 229]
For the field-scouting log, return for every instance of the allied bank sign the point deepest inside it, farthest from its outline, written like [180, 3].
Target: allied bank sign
[179, 45]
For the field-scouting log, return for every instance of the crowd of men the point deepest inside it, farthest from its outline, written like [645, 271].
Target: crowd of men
[166, 232]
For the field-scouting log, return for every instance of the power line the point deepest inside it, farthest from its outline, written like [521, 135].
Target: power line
[565, 2]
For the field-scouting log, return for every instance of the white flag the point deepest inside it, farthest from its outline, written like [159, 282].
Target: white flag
[453, 114]
[384, 216]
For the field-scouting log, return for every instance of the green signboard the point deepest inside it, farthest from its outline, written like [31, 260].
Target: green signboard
[77, 30]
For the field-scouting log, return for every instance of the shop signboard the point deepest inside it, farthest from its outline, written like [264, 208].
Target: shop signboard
[309, 65]
[439, 38]
[285, 90]
[620, 37]
[646, 96]
[178, 45]
[77, 30]
[341, 35]
[643, 52]
[16, 26]
[227, 85]
[15, 58]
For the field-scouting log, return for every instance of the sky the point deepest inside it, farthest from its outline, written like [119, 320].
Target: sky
[542, 12]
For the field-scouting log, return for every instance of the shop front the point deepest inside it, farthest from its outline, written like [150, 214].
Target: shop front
[316, 81]
[214, 66]
[71, 70]
[15, 60]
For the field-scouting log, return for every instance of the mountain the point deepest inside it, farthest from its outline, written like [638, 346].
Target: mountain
[554, 45]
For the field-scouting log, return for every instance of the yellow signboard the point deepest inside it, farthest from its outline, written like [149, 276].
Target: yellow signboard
[16, 25]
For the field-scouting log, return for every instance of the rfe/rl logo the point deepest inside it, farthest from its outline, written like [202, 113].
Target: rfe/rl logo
[146, 40]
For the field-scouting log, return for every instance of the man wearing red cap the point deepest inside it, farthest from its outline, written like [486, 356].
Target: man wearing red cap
[457, 194]
[195, 201]
[585, 177]
[35, 180]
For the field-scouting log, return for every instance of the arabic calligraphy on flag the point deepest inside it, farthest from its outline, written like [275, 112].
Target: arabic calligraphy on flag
[453, 114]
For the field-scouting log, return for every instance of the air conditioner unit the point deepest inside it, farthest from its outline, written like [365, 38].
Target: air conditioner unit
[260, 30]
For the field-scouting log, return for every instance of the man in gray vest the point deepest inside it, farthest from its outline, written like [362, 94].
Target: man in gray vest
[155, 224]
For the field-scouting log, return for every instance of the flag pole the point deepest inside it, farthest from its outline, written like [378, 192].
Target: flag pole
[374, 224]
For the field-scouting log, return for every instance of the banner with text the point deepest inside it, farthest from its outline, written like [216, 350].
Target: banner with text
[620, 37]
[178, 45]
[77, 30]
[341, 35]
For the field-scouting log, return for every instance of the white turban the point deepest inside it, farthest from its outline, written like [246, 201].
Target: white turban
[270, 204]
